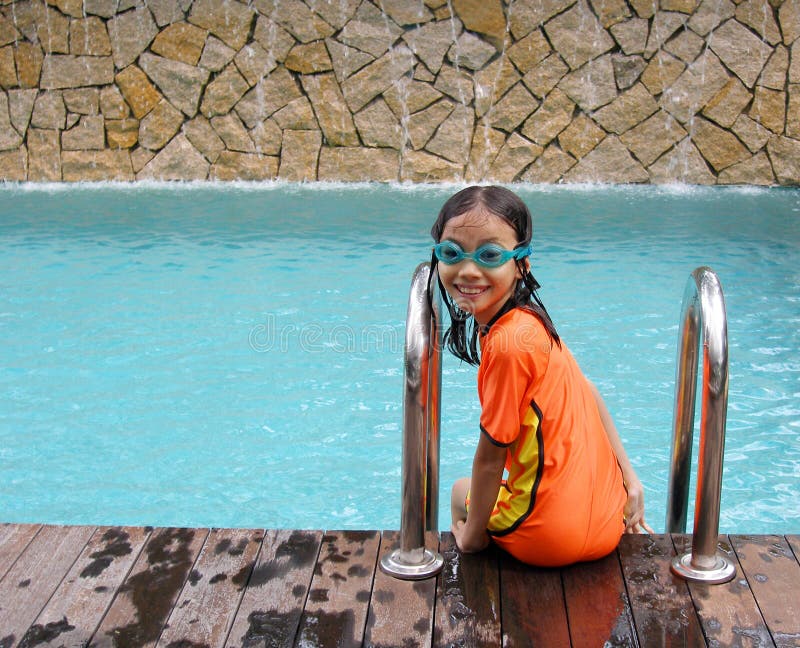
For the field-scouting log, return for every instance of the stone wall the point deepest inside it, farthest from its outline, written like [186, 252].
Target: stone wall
[698, 91]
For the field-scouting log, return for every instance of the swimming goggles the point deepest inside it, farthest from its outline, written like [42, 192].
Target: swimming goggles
[487, 256]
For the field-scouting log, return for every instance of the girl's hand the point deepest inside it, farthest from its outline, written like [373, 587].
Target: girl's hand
[634, 509]
[464, 540]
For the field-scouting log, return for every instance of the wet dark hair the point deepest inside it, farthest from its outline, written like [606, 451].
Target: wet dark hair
[462, 336]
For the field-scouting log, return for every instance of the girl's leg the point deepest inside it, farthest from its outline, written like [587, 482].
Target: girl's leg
[458, 498]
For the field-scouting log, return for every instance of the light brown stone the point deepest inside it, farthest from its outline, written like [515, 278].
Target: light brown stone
[9, 137]
[549, 167]
[269, 95]
[456, 83]
[165, 12]
[694, 88]
[14, 165]
[140, 157]
[631, 35]
[296, 18]
[67, 71]
[718, 146]
[611, 12]
[793, 112]
[709, 15]
[337, 14]
[182, 84]
[769, 109]
[608, 162]
[627, 110]
[593, 85]
[97, 166]
[88, 36]
[224, 92]
[8, 71]
[296, 115]
[758, 15]
[663, 26]
[309, 58]
[180, 41]
[299, 155]
[228, 20]
[112, 103]
[740, 50]
[20, 108]
[29, 59]
[470, 52]
[254, 62]
[486, 143]
[49, 111]
[492, 82]
[84, 101]
[378, 126]
[44, 155]
[122, 133]
[356, 164]
[333, 116]
[774, 73]
[419, 166]
[408, 96]
[530, 51]
[684, 6]
[267, 137]
[204, 138]
[104, 8]
[159, 125]
[179, 160]
[274, 38]
[130, 34]
[578, 36]
[686, 45]
[52, 29]
[8, 33]
[682, 164]
[422, 125]
[346, 60]
[249, 167]
[653, 137]
[513, 109]
[404, 12]
[88, 134]
[789, 20]
[581, 136]
[527, 15]
[431, 42]
[661, 72]
[784, 153]
[483, 17]
[753, 134]
[231, 131]
[754, 171]
[552, 117]
[216, 54]
[627, 69]
[515, 156]
[453, 138]
[139, 93]
[370, 81]
[370, 31]
[726, 107]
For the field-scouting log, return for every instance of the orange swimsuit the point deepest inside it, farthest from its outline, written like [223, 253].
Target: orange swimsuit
[563, 499]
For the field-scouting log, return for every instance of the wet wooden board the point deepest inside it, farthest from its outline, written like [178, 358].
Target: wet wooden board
[598, 608]
[77, 606]
[468, 598]
[414, 625]
[794, 543]
[728, 612]
[34, 577]
[338, 600]
[270, 612]
[660, 602]
[206, 606]
[146, 597]
[773, 574]
[13, 540]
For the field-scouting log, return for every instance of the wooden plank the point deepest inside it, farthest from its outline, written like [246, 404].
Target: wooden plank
[794, 543]
[468, 598]
[336, 611]
[77, 606]
[773, 574]
[532, 610]
[728, 612]
[662, 608]
[144, 601]
[35, 576]
[413, 626]
[269, 614]
[207, 604]
[598, 608]
[13, 540]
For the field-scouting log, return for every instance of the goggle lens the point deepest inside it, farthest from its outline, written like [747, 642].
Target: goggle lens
[488, 256]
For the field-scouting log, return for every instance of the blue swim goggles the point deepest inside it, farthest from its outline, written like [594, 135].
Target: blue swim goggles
[487, 256]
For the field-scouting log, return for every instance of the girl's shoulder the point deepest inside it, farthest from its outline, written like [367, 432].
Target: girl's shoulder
[517, 332]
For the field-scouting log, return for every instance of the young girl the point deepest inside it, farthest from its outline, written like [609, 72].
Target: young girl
[571, 491]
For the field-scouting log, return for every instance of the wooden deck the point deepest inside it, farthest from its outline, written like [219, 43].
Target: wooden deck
[187, 588]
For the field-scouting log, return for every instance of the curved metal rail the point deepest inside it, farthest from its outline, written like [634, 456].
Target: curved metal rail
[703, 308]
[421, 418]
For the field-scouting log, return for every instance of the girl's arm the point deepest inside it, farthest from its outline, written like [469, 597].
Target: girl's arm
[487, 473]
[634, 507]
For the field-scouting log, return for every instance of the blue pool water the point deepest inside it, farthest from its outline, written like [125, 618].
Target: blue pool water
[232, 356]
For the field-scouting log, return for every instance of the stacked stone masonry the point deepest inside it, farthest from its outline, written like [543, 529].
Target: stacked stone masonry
[696, 91]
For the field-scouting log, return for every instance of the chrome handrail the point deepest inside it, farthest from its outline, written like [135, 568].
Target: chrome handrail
[421, 418]
[703, 308]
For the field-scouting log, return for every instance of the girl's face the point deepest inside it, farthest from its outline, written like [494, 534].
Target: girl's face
[475, 289]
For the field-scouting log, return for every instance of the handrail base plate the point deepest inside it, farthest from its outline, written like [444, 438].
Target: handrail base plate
[394, 565]
[723, 571]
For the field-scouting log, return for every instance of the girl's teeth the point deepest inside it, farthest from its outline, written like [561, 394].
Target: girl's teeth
[471, 291]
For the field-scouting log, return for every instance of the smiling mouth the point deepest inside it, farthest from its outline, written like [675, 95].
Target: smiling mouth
[469, 291]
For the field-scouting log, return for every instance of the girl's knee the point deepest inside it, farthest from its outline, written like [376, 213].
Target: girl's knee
[458, 497]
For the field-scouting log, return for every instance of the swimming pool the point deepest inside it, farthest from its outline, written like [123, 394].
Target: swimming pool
[232, 355]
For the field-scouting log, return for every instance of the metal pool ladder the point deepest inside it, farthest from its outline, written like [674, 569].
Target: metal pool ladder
[421, 419]
[703, 307]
